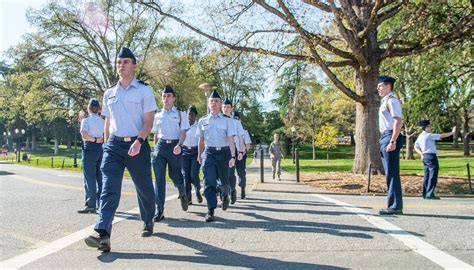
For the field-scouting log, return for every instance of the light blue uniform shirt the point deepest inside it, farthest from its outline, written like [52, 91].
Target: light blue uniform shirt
[215, 130]
[126, 108]
[247, 140]
[426, 142]
[192, 139]
[388, 110]
[167, 123]
[93, 125]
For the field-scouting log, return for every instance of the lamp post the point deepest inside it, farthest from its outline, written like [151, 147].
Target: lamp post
[17, 132]
[9, 135]
[71, 114]
[207, 87]
[293, 130]
[5, 138]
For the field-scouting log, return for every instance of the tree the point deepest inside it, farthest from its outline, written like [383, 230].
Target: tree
[357, 42]
[326, 138]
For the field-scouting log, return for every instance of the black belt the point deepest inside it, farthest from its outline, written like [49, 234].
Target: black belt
[190, 147]
[168, 141]
[123, 139]
[387, 132]
[217, 148]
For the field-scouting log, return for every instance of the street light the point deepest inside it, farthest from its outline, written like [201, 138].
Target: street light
[207, 87]
[293, 130]
[5, 137]
[71, 114]
[17, 132]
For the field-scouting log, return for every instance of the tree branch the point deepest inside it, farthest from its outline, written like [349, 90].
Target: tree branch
[372, 19]
[318, 4]
[390, 12]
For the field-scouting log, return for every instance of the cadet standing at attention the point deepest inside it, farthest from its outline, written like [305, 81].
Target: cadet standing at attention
[240, 165]
[190, 166]
[129, 107]
[425, 146]
[227, 109]
[390, 124]
[92, 132]
[169, 127]
[216, 138]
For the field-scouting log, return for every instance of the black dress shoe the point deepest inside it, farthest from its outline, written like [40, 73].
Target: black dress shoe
[87, 210]
[433, 198]
[184, 202]
[233, 197]
[210, 215]
[102, 243]
[159, 217]
[390, 212]
[199, 197]
[147, 230]
[190, 202]
[242, 193]
[225, 202]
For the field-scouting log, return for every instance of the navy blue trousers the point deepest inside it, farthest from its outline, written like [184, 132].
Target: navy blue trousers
[215, 168]
[240, 166]
[91, 161]
[430, 178]
[163, 156]
[190, 170]
[391, 164]
[114, 162]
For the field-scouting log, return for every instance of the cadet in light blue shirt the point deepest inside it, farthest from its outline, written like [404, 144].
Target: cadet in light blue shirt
[169, 127]
[190, 166]
[216, 132]
[390, 124]
[241, 164]
[92, 131]
[425, 146]
[129, 107]
[227, 109]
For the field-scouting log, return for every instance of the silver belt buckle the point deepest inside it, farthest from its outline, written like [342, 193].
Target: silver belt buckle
[218, 148]
[168, 141]
[189, 147]
[127, 139]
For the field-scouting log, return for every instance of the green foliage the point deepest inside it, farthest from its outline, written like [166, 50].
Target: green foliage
[326, 137]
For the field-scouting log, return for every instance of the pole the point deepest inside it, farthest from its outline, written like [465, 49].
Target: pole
[75, 146]
[261, 165]
[297, 157]
[18, 146]
[469, 177]
[368, 178]
[293, 146]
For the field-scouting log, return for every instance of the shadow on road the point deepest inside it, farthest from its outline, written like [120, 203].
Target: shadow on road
[212, 255]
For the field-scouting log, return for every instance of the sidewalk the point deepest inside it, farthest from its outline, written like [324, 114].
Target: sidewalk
[287, 184]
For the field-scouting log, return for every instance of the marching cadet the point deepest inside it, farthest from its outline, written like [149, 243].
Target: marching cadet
[425, 146]
[227, 110]
[240, 165]
[390, 123]
[169, 127]
[190, 166]
[276, 154]
[92, 132]
[129, 107]
[216, 138]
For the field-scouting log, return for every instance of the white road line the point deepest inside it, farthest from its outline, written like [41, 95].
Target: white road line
[428, 251]
[55, 246]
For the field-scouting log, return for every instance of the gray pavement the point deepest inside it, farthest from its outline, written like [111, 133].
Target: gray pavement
[281, 225]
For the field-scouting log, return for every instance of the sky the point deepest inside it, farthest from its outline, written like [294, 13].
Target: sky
[14, 25]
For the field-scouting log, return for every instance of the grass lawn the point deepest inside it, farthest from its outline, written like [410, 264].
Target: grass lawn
[452, 162]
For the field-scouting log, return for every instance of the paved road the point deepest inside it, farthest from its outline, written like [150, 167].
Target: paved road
[40, 229]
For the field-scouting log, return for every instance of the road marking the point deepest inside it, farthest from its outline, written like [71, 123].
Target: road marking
[45, 183]
[419, 246]
[421, 206]
[57, 245]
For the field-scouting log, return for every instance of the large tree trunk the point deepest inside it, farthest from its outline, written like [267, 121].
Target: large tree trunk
[409, 147]
[367, 149]
[456, 138]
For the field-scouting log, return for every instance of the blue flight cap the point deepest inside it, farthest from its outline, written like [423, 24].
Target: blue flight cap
[214, 94]
[94, 102]
[385, 79]
[227, 101]
[424, 123]
[236, 114]
[193, 109]
[126, 53]
[168, 89]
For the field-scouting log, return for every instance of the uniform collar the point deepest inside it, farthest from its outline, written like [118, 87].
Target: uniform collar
[389, 95]
[173, 109]
[134, 83]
